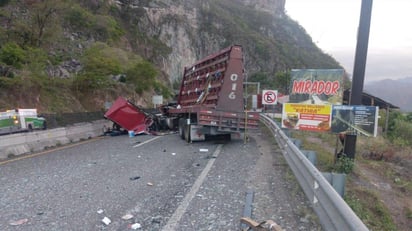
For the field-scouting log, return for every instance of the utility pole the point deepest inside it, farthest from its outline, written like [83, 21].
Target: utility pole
[359, 69]
[361, 53]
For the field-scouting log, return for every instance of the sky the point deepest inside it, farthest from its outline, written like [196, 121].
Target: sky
[333, 24]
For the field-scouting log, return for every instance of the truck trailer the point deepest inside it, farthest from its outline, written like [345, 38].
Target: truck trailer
[210, 101]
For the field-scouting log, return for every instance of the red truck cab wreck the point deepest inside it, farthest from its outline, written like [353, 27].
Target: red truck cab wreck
[125, 114]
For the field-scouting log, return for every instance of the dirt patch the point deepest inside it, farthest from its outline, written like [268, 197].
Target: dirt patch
[391, 190]
[385, 173]
[325, 145]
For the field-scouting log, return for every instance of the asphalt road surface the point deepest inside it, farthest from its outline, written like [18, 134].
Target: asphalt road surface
[151, 183]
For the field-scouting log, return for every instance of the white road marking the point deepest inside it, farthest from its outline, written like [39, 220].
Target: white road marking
[147, 141]
[177, 215]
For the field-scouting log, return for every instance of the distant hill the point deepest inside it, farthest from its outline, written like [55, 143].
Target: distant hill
[397, 92]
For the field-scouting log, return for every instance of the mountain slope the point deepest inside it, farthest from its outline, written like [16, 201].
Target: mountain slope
[397, 92]
[85, 50]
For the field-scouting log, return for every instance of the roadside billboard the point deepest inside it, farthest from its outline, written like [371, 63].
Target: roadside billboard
[306, 117]
[355, 119]
[316, 86]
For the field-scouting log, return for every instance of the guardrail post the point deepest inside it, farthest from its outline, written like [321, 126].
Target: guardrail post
[311, 155]
[297, 142]
[337, 180]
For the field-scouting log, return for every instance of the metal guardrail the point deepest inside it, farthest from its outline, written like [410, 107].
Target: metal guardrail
[332, 210]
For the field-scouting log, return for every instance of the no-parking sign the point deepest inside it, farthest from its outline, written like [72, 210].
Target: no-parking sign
[270, 97]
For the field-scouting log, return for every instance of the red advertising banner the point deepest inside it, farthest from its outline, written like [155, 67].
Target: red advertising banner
[316, 86]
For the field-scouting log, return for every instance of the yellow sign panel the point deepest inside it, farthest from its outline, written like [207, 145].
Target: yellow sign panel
[308, 117]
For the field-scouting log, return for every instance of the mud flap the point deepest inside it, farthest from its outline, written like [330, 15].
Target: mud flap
[196, 133]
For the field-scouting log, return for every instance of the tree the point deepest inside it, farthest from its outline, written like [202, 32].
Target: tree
[42, 16]
[282, 81]
[142, 76]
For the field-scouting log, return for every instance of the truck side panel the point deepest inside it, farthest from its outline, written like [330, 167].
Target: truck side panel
[229, 121]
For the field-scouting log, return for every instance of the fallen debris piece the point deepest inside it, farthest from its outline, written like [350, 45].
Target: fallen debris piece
[136, 226]
[134, 178]
[211, 157]
[100, 211]
[203, 150]
[267, 225]
[149, 184]
[173, 154]
[19, 222]
[127, 217]
[106, 221]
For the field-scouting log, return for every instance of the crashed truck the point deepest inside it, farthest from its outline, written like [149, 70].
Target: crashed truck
[210, 102]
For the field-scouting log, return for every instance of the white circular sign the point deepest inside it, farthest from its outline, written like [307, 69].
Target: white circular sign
[269, 97]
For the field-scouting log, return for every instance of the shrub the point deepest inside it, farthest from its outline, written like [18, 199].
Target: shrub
[78, 18]
[400, 129]
[12, 54]
[344, 165]
[142, 76]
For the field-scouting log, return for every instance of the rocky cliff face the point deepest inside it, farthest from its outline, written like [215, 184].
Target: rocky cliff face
[193, 29]
[171, 34]
[269, 6]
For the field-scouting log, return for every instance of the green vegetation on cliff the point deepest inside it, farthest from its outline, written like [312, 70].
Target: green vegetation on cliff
[68, 55]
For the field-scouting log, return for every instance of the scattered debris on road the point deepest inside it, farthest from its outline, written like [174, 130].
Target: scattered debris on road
[19, 222]
[106, 221]
[136, 226]
[267, 225]
[127, 217]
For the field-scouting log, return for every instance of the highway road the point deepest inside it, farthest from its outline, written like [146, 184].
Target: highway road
[151, 182]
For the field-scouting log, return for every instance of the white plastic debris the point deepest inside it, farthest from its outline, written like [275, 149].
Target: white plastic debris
[127, 217]
[173, 153]
[106, 221]
[149, 183]
[136, 226]
[203, 150]
[100, 211]
[19, 222]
